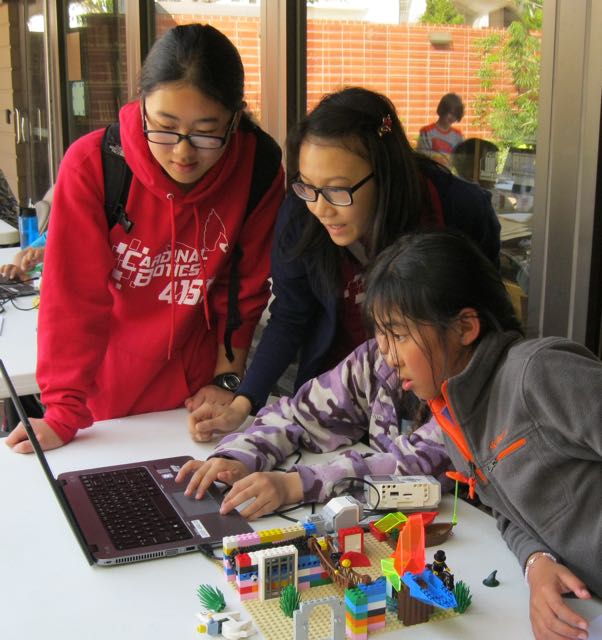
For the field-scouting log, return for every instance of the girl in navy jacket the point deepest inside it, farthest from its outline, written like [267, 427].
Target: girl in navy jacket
[359, 187]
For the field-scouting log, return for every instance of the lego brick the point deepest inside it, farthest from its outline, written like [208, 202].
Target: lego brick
[320, 582]
[360, 616]
[354, 625]
[243, 560]
[381, 536]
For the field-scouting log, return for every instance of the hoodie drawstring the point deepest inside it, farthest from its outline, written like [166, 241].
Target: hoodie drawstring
[197, 229]
[172, 280]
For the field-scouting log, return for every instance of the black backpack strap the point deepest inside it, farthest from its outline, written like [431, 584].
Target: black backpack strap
[117, 178]
[266, 164]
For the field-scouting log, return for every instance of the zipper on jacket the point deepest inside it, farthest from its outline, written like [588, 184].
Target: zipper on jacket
[511, 448]
[452, 427]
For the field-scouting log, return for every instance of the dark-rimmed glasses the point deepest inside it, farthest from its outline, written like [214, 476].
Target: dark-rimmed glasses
[338, 196]
[197, 140]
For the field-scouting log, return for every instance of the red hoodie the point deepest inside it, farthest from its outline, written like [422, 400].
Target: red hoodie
[110, 341]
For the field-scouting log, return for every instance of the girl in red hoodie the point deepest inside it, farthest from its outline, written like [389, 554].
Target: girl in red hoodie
[132, 322]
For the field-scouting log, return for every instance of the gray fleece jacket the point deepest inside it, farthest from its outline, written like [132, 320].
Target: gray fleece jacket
[530, 413]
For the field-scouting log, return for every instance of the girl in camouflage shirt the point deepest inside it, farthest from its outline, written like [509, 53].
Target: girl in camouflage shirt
[358, 400]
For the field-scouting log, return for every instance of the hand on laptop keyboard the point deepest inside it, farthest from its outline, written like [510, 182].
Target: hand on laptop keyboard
[205, 472]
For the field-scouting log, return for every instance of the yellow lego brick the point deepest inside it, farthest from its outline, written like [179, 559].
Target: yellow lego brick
[270, 535]
[293, 532]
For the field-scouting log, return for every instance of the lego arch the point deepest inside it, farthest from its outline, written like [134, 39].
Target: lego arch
[302, 616]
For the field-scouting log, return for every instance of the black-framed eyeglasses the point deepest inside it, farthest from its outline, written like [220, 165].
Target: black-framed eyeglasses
[338, 196]
[197, 140]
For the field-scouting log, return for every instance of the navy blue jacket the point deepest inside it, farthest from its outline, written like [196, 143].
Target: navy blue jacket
[303, 319]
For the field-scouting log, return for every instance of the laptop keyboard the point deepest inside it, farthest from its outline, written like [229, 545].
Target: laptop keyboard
[133, 509]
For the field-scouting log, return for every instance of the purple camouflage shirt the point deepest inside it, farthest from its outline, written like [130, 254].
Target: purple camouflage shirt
[360, 396]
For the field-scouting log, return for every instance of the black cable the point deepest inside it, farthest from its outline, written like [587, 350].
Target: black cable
[6, 298]
[16, 306]
[207, 551]
[283, 513]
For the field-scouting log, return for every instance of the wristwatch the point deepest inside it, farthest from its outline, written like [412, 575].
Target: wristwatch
[229, 381]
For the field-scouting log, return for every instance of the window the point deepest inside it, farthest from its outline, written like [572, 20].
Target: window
[239, 20]
[95, 65]
[385, 47]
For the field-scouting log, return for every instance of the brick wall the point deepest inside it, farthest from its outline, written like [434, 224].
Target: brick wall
[244, 33]
[397, 60]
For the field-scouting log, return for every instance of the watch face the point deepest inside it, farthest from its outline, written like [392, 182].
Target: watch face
[228, 381]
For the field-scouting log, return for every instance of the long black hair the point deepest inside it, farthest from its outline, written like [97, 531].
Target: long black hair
[200, 56]
[366, 123]
[429, 278]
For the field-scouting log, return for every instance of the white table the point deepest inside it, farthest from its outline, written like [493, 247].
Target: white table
[18, 340]
[49, 591]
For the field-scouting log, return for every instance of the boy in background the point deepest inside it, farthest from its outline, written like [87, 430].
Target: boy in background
[438, 140]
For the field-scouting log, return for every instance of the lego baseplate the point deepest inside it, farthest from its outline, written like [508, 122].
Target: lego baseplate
[274, 625]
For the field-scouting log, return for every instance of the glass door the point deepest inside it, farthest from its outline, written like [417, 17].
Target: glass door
[95, 65]
[30, 95]
[415, 55]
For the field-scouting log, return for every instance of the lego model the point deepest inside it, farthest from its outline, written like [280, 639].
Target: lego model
[241, 562]
[272, 569]
[342, 512]
[441, 570]
[402, 492]
[289, 600]
[337, 618]
[214, 621]
[365, 609]
[211, 598]
[389, 526]
[341, 574]
[418, 590]
[226, 624]
[463, 596]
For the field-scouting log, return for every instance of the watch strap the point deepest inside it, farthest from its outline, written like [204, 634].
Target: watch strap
[220, 380]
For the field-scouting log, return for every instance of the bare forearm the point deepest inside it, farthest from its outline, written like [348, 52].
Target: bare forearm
[223, 365]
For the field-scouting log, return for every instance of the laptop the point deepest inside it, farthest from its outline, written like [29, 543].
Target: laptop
[132, 512]
[17, 288]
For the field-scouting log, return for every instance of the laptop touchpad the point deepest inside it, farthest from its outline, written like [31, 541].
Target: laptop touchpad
[193, 507]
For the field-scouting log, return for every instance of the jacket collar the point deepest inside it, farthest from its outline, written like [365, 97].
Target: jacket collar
[472, 383]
